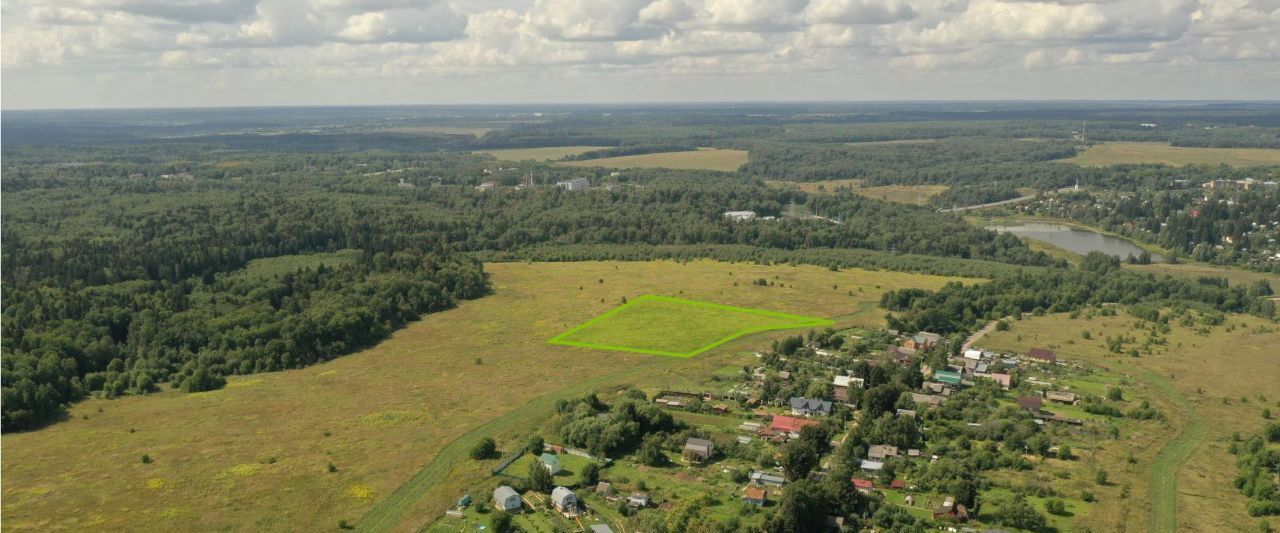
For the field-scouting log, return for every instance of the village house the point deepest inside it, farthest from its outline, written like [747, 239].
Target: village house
[1042, 355]
[951, 513]
[947, 377]
[698, 450]
[841, 384]
[801, 406]
[767, 479]
[972, 354]
[864, 486]
[1030, 403]
[922, 341]
[506, 498]
[551, 462]
[871, 465]
[639, 499]
[927, 400]
[564, 500]
[601, 528]
[788, 426]
[880, 452]
[1005, 380]
[902, 356]
[755, 495]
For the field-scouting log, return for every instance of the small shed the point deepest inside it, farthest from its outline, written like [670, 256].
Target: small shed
[638, 499]
[698, 450]
[464, 501]
[564, 500]
[506, 499]
[551, 462]
[601, 528]
[755, 495]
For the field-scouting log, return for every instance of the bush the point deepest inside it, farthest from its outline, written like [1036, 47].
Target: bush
[484, 449]
[1101, 477]
[500, 522]
[146, 459]
[1087, 496]
[1055, 506]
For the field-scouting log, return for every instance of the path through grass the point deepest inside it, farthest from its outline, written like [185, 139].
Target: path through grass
[1164, 472]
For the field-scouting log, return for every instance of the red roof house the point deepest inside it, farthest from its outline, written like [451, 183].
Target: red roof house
[863, 485]
[790, 424]
[898, 484]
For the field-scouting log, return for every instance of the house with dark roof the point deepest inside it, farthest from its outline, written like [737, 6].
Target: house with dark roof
[922, 341]
[1042, 355]
[801, 406]
[1030, 403]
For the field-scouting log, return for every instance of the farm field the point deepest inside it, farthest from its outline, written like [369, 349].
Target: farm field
[548, 153]
[700, 159]
[676, 327]
[400, 414]
[1122, 153]
[1208, 381]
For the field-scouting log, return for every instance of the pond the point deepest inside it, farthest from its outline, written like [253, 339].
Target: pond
[1071, 239]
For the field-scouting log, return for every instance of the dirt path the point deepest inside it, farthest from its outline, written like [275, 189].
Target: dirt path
[977, 336]
[1164, 472]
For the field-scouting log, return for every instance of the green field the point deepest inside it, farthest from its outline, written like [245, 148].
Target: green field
[546, 153]
[661, 325]
[476, 131]
[279, 266]
[700, 159]
[1125, 153]
[396, 420]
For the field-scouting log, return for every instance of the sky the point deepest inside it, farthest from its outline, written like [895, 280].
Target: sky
[181, 53]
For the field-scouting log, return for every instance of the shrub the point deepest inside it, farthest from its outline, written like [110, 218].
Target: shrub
[484, 449]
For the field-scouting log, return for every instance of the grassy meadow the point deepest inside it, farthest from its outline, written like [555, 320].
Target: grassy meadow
[902, 194]
[1125, 153]
[395, 421]
[447, 130]
[675, 327]
[547, 153]
[701, 159]
[1208, 381]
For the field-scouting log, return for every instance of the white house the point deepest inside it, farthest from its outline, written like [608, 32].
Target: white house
[576, 184]
[506, 498]
[740, 216]
[564, 500]
[551, 462]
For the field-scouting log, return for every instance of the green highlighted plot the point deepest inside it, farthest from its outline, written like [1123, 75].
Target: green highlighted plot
[661, 325]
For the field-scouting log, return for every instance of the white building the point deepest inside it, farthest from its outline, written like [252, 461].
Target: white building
[576, 184]
[740, 216]
[506, 498]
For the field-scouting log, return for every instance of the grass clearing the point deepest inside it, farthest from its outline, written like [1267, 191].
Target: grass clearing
[1128, 153]
[902, 194]
[720, 159]
[818, 187]
[278, 266]
[545, 153]
[893, 142]
[1207, 383]
[447, 130]
[483, 369]
[661, 325]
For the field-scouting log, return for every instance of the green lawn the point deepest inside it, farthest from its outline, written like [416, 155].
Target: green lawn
[660, 325]
[279, 266]
[570, 467]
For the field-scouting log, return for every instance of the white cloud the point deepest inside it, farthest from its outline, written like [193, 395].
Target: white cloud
[522, 49]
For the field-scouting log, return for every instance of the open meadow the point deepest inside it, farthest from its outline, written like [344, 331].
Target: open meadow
[547, 153]
[1127, 153]
[380, 437]
[676, 327]
[701, 159]
[900, 194]
[1208, 381]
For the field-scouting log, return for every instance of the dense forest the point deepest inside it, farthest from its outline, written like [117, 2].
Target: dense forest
[130, 246]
